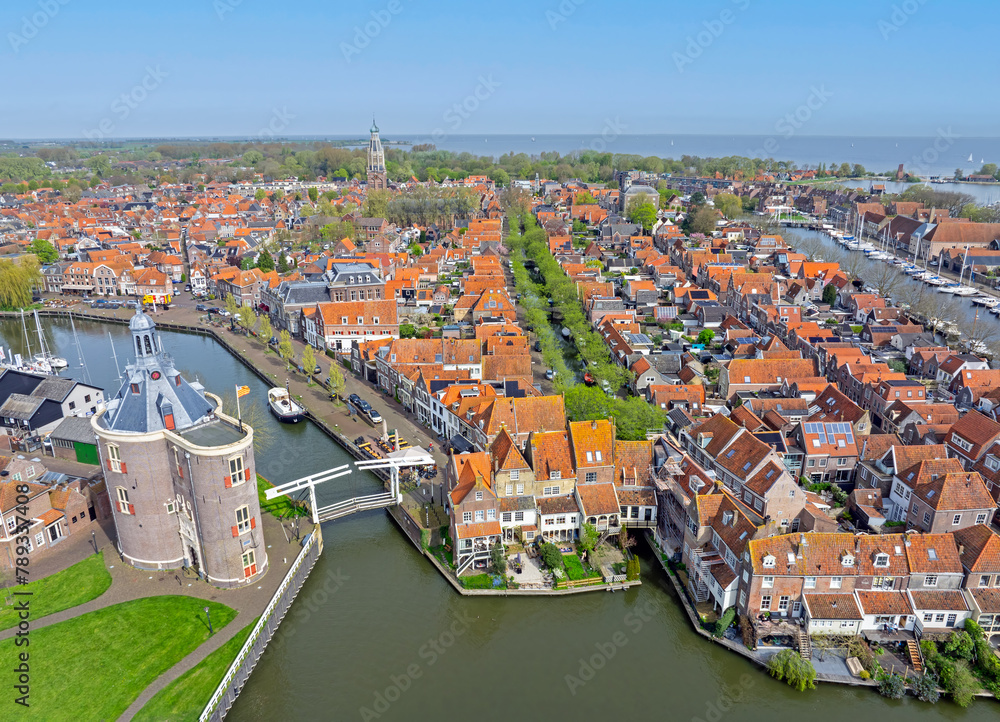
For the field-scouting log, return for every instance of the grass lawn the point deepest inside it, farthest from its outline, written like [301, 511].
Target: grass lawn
[575, 570]
[113, 654]
[186, 696]
[479, 581]
[74, 585]
[281, 507]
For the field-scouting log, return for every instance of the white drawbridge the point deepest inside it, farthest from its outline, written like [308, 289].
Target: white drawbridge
[358, 503]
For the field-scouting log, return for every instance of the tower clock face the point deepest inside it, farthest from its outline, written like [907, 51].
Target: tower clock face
[155, 375]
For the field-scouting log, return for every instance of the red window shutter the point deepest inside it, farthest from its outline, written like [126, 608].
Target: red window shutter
[253, 569]
[118, 504]
[124, 468]
[180, 471]
[236, 532]
[253, 522]
[131, 509]
[168, 421]
[228, 481]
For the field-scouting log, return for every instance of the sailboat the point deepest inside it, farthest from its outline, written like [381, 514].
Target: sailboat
[44, 357]
[970, 157]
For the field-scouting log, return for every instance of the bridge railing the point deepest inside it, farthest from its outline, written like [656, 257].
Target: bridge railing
[236, 676]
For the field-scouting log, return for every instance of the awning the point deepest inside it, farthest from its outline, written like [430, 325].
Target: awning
[461, 445]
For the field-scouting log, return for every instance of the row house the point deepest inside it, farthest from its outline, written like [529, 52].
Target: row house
[337, 326]
[749, 467]
[936, 494]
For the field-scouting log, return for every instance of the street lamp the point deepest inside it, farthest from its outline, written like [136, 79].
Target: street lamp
[93, 540]
[209, 616]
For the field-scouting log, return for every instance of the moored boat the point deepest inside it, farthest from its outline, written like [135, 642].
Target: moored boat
[284, 407]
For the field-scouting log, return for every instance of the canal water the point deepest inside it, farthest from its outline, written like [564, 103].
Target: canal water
[952, 308]
[376, 633]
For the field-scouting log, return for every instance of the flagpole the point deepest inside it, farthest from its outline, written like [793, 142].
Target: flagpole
[238, 414]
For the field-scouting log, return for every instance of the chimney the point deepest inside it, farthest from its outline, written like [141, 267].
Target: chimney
[961, 549]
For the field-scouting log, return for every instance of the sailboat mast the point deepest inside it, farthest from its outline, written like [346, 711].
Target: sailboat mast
[115, 356]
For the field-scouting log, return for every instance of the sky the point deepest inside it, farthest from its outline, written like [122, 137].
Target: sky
[259, 68]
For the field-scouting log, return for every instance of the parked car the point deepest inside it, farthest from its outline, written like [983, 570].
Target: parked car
[317, 371]
[201, 307]
[538, 346]
[131, 304]
[187, 287]
[550, 374]
[224, 313]
[273, 341]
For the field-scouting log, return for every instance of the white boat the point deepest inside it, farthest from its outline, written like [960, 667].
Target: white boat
[987, 301]
[284, 407]
[933, 280]
[949, 288]
[965, 291]
[56, 362]
[995, 310]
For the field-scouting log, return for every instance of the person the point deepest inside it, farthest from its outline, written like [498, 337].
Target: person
[431, 446]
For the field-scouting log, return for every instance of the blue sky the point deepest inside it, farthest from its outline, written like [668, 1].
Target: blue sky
[244, 67]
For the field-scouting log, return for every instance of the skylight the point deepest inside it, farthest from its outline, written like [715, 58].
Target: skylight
[932, 553]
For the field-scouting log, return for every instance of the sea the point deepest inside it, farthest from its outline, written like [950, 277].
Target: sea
[937, 155]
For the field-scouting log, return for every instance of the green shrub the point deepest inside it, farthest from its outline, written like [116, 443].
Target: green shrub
[574, 567]
[725, 622]
[925, 687]
[893, 687]
[632, 569]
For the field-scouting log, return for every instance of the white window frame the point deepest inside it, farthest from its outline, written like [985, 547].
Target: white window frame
[114, 458]
[242, 519]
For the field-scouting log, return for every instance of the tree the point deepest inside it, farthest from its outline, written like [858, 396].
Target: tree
[588, 537]
[377, 203]
[313, 194]
[884, 278]
[285, 349]
[247, 318]
[17, 281]
[551, 556]
[703, 220]
[99, 164]
[260, 195]
[336, 382]
[265, 262]
[282, 262]
[830, 294]
[308, 360]
[642, 212]
[246, 264]
[407, 330]
[45, 251]
[730, 205]
[264, 329]
[584, 198]
[705, 337]
[231, 305]
[498, 559]
[797, 672]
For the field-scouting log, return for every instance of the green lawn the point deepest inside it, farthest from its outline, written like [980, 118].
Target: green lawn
[281, 507]
[575, 570]
[93, 666]
[74, 585]
[186, 696]
[479, 581]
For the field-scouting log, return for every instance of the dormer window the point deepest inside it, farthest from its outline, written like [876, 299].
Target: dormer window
[769, 561]
[598, 455]
[847, 560]
[881, 560]
[555, 474]
[590, 456]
